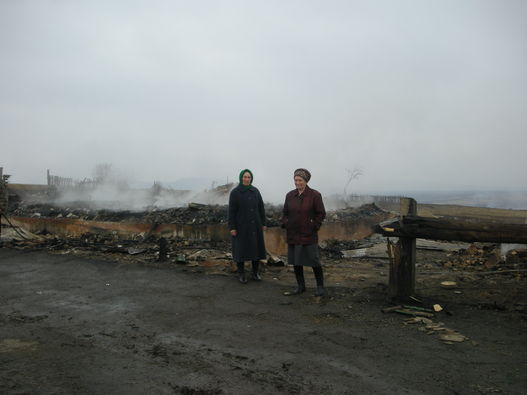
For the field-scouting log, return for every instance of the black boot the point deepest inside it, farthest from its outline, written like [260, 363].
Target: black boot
[319, 276]
[301, 284]
[256, 275]
[241, 272]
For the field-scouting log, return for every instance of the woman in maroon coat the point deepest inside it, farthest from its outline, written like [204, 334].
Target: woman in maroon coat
[302, 217]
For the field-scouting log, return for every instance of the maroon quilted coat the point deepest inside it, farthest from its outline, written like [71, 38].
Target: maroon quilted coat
[303, 216]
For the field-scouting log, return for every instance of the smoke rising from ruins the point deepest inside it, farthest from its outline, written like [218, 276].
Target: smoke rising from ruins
[420, 95]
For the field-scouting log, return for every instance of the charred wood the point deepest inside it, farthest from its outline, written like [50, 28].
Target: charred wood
[454, 230]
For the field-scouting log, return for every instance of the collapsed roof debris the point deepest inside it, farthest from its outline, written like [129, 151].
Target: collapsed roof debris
[487, 258]
[193, 213]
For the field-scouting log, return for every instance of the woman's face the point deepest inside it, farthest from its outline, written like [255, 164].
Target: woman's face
[246, 178]
[300, 183]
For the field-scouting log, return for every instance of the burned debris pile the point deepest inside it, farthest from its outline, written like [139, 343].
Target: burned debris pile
[146, 243]
[336, 249]
[140, 248]
[193, 213]
[477, 257]
[353, 213]
[488, 258]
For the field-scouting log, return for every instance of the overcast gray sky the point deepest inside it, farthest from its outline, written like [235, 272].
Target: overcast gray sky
[418, 94]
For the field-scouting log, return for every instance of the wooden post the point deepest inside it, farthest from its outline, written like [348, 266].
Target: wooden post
[402, 265]
[163, 249]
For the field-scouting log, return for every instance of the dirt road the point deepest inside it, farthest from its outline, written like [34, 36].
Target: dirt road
[71, 325]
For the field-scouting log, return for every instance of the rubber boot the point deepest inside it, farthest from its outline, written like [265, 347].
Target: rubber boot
[319, 276]
[301, 284]
[256, 275]
[241, 272]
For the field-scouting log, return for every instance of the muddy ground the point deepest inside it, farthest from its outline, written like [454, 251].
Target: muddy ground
[88, 323]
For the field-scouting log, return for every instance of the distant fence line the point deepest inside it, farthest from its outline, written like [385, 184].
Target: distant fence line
[59, 182]
[65, 182]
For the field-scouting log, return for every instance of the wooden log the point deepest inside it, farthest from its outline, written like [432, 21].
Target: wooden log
[409, 307]
[391, 309]
[455, 230]
[415, 313]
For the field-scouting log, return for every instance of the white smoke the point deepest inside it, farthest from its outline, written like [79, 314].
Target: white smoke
[110, 189]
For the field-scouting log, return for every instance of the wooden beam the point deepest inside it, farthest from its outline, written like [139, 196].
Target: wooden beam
[410, 226]
[454, 230]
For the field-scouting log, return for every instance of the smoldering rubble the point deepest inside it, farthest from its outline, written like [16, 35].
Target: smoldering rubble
[363, 259]
[193, 213]
[146, 245]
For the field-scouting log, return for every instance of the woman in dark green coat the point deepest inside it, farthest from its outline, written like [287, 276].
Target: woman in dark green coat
[246, 224]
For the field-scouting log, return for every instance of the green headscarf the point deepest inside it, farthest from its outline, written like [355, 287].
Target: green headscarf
[241, 175]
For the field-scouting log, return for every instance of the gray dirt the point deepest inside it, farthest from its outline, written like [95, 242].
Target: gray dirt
[73, 325]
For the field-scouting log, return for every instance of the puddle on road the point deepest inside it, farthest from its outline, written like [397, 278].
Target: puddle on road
[17, 345]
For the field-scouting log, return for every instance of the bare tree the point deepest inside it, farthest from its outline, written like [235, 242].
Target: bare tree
[352, 174]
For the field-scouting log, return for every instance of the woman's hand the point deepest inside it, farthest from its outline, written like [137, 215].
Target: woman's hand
[234, 232]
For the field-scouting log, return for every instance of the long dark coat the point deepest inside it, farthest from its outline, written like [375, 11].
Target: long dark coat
[302, 216]
[247, 216]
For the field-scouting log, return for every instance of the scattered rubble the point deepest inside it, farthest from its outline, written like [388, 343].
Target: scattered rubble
[141, 247]
[147, 246]
[369, 247]
[334, 249]
[516, 256]
[487, 258]
[193, 213]
[274, 260]
[448, 284]
[425, 317]
[446, 335]
[350, 214]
